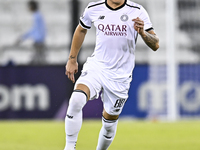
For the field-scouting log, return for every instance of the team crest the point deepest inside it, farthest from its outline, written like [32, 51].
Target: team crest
[124, 18]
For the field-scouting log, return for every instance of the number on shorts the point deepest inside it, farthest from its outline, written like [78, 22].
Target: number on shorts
[119, 103]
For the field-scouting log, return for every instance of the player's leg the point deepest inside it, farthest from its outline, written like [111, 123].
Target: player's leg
[108, 130]
[73, 119]
[114, 96]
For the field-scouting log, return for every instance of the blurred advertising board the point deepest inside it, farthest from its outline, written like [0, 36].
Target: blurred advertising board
[32, 92]
[148, 92]
[43, 92]
[38, 92]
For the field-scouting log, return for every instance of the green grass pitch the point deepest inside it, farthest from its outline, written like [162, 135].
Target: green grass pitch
[131, 135]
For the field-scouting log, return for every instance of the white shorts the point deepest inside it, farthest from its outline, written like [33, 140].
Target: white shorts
[113, 94]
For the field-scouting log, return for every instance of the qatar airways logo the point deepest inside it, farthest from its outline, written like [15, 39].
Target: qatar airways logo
[113, 30]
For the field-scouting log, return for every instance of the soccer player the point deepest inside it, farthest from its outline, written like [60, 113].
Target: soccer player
[109, 69]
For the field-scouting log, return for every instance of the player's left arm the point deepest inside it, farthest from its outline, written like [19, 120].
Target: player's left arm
[149, 37]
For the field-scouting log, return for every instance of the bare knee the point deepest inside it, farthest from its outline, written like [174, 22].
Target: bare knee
[83, 88]
[109, 117]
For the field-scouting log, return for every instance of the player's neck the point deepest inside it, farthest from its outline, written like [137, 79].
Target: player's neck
[115, 3]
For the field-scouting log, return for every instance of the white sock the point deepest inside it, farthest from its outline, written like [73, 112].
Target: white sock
[107, 133]
[73, 119]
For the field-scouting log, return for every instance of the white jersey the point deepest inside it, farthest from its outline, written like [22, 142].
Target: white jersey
[115, 36]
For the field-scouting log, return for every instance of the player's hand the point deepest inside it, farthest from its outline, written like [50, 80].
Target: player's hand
[139, 25]
[71, 69]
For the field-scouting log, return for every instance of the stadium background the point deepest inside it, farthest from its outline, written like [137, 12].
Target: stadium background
[165, 86]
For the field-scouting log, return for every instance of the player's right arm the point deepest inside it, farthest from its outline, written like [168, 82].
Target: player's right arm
[77, 41]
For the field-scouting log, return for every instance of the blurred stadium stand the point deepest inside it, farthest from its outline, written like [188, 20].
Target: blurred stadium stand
[15, 19]
[189, 12]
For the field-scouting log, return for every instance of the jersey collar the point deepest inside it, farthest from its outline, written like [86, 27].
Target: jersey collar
[117, 7]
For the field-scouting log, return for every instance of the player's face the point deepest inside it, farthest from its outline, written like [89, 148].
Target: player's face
[117, 2]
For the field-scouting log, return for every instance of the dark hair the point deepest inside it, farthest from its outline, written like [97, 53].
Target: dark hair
[33, 5]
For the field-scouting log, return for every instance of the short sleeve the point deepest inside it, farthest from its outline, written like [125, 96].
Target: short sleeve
[145, 17]
[85, 20]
